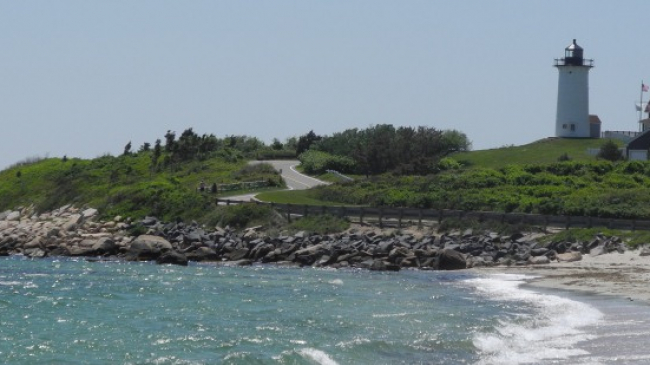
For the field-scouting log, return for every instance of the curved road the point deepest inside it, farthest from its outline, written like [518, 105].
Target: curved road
[294, 179]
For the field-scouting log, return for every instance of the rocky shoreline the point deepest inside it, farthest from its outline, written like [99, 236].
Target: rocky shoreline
[69, 231]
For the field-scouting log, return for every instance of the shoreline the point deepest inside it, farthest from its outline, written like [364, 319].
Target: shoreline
[625, 275]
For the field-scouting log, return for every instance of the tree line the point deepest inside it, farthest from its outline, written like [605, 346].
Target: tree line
[374, 150]
[379, 149]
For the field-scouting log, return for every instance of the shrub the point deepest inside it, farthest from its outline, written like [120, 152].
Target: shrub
[318, 162]
[241, 216]
[610, 151]
[320, 224]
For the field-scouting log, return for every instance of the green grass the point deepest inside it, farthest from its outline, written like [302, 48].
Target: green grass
[298, 197]
[124, 185]
[319, 224]
[543, 151]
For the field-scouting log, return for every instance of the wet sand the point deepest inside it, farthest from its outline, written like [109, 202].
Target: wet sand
[625, 275]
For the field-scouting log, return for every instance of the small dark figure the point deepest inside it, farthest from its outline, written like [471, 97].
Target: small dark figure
[213, 189]
[202, 186]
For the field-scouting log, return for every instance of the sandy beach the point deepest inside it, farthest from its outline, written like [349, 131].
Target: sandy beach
[626, 275]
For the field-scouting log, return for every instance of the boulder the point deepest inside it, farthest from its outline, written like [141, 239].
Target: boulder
[73, 222]
[89, 213]
[34, 252]
[380, 265]
[172, 257]
[81, 251]
[202, 254]
[146, 241]
[451, 260]
[13, 216]
[538, 260]
[147, 247]
[105, 246]
[238, 254]
[569, 257]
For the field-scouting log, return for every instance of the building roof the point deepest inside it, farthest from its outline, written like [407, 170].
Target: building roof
[641, 142]
[593, 119]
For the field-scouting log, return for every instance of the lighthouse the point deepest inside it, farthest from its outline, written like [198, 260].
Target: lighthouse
[572, 118]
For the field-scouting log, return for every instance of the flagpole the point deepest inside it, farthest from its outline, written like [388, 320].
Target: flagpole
[641, 104]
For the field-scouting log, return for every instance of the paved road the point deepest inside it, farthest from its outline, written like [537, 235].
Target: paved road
[294, 179]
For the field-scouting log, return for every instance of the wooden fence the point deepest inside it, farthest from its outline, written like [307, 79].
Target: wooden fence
[242, 185]
[400, 216]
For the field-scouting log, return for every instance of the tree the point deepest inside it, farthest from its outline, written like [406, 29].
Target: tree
[127, 149]
[305, 142]
[155, 156]
[610, 151]
[145, 147]
[455, 141]
[170, 141]
[277, 145]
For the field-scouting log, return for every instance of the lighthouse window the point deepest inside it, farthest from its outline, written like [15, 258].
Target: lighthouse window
[573, 127]
[563, 126]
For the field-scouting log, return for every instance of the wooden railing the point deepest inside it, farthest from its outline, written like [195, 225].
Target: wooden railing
[400, 216]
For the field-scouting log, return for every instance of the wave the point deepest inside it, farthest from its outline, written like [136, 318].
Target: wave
[317, 356]
[551, 332]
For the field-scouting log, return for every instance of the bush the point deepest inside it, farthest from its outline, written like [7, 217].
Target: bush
[318, 162]
[320, 224]
[241, 216]
[610, 151]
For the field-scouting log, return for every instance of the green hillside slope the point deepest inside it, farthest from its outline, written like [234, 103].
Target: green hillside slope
[546, 150]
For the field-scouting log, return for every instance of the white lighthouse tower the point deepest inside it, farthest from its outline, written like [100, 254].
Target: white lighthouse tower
[572, 118]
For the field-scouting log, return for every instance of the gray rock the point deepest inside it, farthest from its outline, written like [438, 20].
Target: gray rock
[13, 216]
[105, 246]
[238, 254]
[451, 260]
[569, 257]
[89, 213]
[538, 260]
[172, 257]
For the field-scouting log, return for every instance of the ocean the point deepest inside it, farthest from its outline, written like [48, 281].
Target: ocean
[69, 311]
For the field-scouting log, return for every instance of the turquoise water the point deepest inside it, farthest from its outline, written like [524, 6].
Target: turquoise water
[63, 311]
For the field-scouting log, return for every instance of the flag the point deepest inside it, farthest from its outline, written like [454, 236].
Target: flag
[644, 87]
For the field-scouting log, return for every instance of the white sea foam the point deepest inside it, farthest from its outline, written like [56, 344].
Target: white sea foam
[318, 356]
[551, 333]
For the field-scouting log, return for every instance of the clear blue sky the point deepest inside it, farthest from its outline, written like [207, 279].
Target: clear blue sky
[83, 78]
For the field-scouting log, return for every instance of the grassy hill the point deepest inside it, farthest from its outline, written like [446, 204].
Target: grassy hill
[546, 150]
[126, 185]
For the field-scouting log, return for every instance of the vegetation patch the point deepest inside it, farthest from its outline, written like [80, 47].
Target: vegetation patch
[242, 216]
[320, 224]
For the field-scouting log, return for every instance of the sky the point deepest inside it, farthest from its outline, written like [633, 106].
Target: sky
[83, 78]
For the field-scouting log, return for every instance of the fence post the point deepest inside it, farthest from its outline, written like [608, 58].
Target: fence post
[381, 213]
[361, 215]
[420, 218]
[568, 222]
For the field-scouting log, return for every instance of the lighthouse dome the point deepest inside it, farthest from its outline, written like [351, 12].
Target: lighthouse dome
[573, 53]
